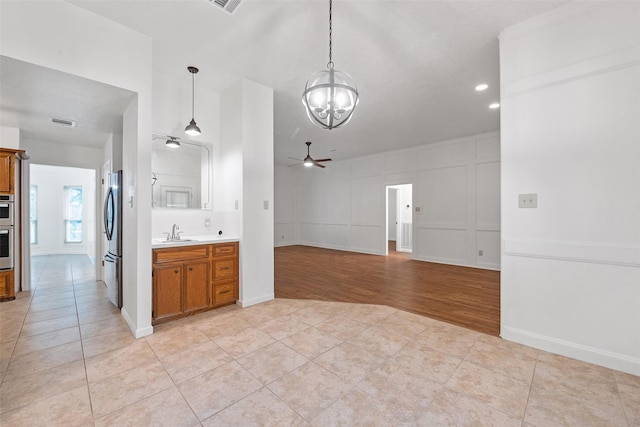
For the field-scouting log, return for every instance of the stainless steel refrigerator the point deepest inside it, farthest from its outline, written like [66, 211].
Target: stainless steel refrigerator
[113, 232]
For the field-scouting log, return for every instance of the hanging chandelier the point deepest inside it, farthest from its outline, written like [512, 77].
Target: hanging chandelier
[330, 96]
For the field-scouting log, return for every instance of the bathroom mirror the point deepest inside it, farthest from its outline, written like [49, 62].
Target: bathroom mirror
[180, 177]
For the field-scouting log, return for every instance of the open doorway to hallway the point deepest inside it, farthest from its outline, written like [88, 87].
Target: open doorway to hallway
[399, 218]
[62, 209]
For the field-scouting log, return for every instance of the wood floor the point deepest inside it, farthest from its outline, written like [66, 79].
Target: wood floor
[464, 296]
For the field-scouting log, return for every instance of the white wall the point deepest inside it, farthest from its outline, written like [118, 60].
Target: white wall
[50, 182]
[171, 113]
[9, 137]
[570, 84]
[285, 179]
[456, 184]
[245, 180]
[392, 213]
[67, 38]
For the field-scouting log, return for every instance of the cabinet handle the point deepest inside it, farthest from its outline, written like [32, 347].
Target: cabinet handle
[225, 268]
[190, 268]
[175, 271]
[225, 292]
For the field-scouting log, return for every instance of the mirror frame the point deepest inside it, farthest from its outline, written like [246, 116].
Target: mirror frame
[208, 146]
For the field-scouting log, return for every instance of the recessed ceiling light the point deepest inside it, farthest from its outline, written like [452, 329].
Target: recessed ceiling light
[482, 87]
[494, 105]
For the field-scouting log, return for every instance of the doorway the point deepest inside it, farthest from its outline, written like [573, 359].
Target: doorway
[400, 218]
[62, 218]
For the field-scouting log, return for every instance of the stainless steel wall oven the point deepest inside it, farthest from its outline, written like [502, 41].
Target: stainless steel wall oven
[6, 210]
[6, 248]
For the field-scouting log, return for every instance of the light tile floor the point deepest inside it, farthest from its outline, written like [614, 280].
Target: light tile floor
[67, 358]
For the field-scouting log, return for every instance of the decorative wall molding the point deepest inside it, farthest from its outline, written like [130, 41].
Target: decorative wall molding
[590, 252]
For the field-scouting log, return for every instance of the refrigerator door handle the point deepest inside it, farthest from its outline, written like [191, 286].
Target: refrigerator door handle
[109, 209]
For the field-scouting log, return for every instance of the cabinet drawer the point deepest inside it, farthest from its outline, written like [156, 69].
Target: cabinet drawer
[222, 249]
[180, 254]
[224, 268]
[225, 292]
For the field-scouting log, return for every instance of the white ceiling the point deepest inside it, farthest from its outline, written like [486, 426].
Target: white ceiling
[30, 96]
[416, 63]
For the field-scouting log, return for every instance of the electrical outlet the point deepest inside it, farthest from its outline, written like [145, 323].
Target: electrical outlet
[480, 252]
[236, 205]
[265, 204]
[418, 209]
[528, 200]
[207, 222]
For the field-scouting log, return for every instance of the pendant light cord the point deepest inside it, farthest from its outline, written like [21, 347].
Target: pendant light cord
[192, 95]
[330, 64]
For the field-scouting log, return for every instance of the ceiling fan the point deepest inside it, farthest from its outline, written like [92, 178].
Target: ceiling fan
[309, 161]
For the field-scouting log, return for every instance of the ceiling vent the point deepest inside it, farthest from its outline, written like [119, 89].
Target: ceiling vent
[227, 5]
[64, 122]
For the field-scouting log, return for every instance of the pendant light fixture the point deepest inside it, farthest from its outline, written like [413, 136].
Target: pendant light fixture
[172, 142]
[330, 96]
[192, 128]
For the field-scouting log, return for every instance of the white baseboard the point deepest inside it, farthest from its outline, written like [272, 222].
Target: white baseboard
[254, 301]
[138, 333]
[483, 266]
[619, 362]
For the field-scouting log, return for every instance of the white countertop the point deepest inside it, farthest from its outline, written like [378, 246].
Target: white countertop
[192, 241]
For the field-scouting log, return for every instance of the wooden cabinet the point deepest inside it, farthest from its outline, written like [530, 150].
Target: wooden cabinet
[196, 286]
[192, 279]
[7, 289]
[7, 159]
[167, 291]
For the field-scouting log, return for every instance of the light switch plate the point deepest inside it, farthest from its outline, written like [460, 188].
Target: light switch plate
[529, 200]
[265, 204]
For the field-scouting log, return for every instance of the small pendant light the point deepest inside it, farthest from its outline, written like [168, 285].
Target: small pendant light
[330, 96]
[192, 128]
[172, 142]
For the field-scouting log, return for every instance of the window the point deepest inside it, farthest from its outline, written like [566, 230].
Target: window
[33, 214]
[73, 214]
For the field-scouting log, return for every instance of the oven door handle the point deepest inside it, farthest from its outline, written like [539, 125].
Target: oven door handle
[4, 205]
[4, 231]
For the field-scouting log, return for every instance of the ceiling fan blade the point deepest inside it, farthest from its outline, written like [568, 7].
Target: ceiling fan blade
[323, 160]
[315, 163]
[293, 158]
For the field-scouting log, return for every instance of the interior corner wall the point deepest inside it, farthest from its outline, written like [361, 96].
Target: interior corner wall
[245, 182]
[50, 182]
[456, 185]
[570, 281]
[64, 37]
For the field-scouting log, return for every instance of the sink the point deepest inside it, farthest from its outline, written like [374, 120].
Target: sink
[177, 241]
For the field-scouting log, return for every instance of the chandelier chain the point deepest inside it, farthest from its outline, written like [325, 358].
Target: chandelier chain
[330, 64]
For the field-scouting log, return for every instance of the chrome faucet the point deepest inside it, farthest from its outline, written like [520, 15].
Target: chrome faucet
[174, 235]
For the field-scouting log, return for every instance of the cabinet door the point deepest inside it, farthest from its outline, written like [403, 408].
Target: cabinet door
[196, 285]
[167, 291]
[6, 284]
[6, 173]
